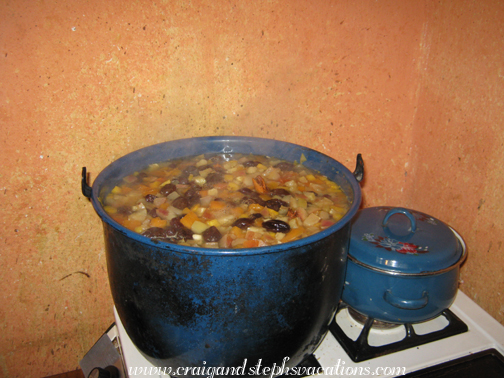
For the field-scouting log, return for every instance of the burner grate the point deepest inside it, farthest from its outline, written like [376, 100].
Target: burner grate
[360, 350]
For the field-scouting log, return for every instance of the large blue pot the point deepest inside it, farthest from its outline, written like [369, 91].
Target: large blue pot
[198, 307]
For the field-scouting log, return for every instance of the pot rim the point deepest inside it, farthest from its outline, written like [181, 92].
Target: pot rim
[459, 262]
[105, 217]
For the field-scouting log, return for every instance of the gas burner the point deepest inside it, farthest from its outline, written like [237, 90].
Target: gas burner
[364, 338]
[377, 324]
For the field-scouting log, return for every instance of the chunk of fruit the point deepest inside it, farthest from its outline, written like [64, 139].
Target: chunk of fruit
[189, 219]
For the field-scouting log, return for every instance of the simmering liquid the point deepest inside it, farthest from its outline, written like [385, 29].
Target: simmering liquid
[226, 201]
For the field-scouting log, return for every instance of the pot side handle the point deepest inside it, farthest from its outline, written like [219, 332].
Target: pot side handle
[86, 189]
[406, 304]
[359, 169]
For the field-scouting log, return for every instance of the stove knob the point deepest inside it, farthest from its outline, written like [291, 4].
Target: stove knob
[108, 372]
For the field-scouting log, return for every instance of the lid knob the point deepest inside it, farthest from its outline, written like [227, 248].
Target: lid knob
[400, 210]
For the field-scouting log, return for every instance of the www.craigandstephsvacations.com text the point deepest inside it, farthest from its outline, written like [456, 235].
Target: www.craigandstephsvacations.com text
[338, 369]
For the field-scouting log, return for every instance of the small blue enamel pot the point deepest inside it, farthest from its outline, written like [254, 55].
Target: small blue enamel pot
[188, 307]
[403, 265]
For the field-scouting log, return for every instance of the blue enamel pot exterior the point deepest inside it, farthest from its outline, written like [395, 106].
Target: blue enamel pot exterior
[405, 271]
[190, 307]
[399, 299]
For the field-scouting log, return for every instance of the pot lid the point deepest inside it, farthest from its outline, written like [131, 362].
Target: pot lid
[403, 241]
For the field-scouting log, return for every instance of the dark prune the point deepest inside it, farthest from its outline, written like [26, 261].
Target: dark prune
[150, 197]
[178, 230]
[259, 201]
[192, 196]
[276, 204]
[171, 234]
[174, 234]
[255, 215]
[219, 169]
[214, 178]
[152, 213]
[212, 234]
[251, 163]
[250, 200]
[285, 166]
[279, 192]
[251, 197]
[276, 225]
[203, 167]
[167, 189]
[194, 185]
[180, 203]
[176, 223]
[124, 210]
[243, 223]
[216, 159]
[182, 179]
[154, 233]
[247, 201]
[247, 191]
[190, 170]
[250, 193]
[185, 233]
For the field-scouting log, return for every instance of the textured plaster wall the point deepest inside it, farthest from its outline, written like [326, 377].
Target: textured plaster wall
[415, 86]
[458, 138]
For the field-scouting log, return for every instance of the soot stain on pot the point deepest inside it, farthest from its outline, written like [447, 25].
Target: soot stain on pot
[173, 295]
[154, 288]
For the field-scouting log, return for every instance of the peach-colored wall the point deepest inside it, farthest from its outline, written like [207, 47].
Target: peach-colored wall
[458, 138]
[415, 86]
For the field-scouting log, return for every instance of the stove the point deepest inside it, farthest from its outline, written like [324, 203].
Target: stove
[463, 340]
[364, 338]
